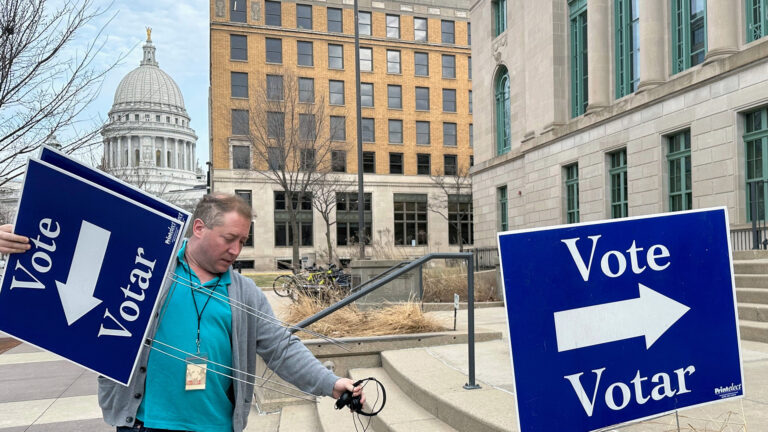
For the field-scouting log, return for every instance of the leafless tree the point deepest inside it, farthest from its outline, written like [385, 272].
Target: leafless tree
[291, 139]
[454, 197]
[45, 83]
[324, 192]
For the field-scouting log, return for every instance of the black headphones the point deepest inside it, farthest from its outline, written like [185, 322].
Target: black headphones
[353, 402]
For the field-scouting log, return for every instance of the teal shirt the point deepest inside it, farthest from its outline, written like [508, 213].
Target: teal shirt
[166, 403]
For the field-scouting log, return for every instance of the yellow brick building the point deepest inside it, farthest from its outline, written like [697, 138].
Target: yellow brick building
[417, 121]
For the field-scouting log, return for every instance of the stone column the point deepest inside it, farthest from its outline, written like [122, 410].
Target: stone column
[722, 28]
[652, 43]
[598, 54]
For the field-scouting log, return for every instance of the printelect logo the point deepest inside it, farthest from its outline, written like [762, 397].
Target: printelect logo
[728, 391]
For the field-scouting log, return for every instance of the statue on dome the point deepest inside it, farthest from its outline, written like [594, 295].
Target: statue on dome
[149, 34]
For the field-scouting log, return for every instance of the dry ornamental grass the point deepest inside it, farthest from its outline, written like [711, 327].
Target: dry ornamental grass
[404, 318]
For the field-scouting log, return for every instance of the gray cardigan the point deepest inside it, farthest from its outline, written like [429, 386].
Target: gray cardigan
[251, 336]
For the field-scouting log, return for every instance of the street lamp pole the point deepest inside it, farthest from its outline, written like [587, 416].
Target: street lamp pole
[359, 124]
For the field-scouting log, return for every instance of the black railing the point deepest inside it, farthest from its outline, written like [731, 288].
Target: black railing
[393, 273]
[485, 258]
[758, 237]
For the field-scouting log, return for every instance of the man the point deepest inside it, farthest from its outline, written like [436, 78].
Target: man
[196, 324]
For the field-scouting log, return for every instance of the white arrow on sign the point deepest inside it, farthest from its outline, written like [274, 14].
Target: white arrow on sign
[649, 315]
[77, 293]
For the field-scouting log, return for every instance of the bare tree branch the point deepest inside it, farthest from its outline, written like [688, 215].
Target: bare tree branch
[455, 196]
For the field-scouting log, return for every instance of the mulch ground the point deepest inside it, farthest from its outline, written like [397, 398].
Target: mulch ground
[7, 343]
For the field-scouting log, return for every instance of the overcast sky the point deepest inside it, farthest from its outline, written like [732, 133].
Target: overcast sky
[180, 35]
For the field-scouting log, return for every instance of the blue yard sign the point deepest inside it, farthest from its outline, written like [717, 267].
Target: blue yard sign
[88, 287]
[616, 321]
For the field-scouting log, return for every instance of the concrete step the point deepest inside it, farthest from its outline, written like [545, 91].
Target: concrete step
[332, 420]
[754, 331]
[750, 255]
[752, 295]
[752, 281]
[753, 312]
[750, 266]
[267, 422]
[401, 413]
[438, 389]
[301, 417]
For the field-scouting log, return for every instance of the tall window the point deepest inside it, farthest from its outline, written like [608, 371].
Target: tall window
[578, 28]
[756, 142]
[393, 61]
[469, 98]
[307, 159]
[757, 21]
[421, 64]
[305, 55]
[395, 131]
[338, 161]
[369, 162]
[275, 87]
[501, 199]
[335, 56]
[394, 96]
[422, 133]
[366, 94]
[306, 90]
[460, 220]
[307, 127]
[449, 66]
[499, 16]
[275, 124]
[410, 219]
[689, 33]
[241, 157]
[447, 31]
[274, 50]
[369, 130]
[393, 26]
[627, 47]
[335, 20]
[395, 163]
[336, 92]
[338, 126]
[503, 124]
[423, 164]
[346, 218]
[449, 134]
[572, 193]
[679, 162]
[284, 235]
[238, 47]
[272, 13]
[239, 85]
[450, 167]
[237, 11]
[366, 59]
[449, 100]
[422, 98]
[240, 122]
[619, 188]
[275, 159]
[304, 16]
[364, 23]
[420, 29]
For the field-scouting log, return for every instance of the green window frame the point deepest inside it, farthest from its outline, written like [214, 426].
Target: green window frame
[757, 21]
[627, 47]
[579, 70]
[689, 33]
[503, 124]
[619, 184]
[501, 198]
[499, 16]
[756, 146]
[679, 166]
[572, 193]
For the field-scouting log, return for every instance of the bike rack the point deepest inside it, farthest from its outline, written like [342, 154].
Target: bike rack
[404, 267]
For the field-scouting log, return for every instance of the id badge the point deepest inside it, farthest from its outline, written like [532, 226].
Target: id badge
[196, 371]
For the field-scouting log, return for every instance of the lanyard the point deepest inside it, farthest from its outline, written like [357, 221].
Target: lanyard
[200, 312]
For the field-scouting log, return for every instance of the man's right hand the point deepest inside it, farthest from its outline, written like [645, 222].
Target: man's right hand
[10, 242]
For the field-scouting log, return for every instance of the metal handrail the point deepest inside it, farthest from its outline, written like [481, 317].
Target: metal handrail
[392, 274]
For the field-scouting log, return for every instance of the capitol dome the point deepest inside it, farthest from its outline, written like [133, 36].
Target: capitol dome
[148, 140]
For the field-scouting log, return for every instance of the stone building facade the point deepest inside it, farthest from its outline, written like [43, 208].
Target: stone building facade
[593, 109]
[148, 140]
[416, 114]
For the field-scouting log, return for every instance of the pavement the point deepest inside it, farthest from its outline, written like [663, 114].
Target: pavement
[40, 392]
